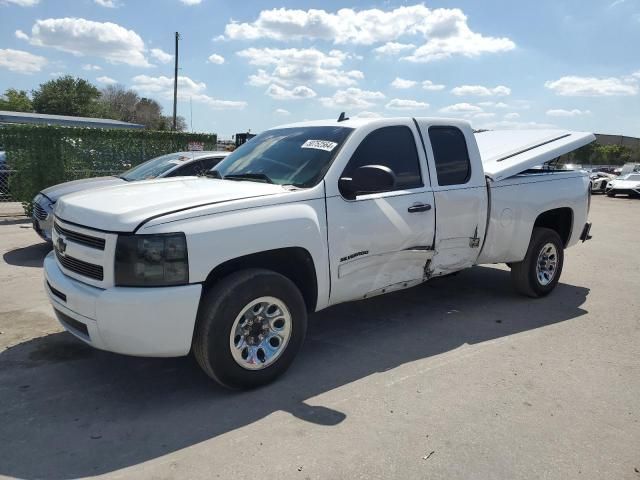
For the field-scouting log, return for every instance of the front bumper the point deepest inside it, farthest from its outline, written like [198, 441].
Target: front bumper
[146, 322]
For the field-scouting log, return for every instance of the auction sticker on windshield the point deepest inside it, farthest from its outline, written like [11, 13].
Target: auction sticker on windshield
[325, 145]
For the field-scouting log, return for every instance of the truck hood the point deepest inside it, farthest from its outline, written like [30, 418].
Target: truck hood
[55, 192]
[122, 208]
[506, 153]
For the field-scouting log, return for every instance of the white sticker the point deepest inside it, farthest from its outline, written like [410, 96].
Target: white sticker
[325, 145]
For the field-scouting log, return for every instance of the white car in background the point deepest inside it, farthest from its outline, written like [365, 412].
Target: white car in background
[627, 185]
[599, 181]
[179, 164]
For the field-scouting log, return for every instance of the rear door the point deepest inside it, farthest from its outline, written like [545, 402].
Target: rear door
[460, 194]
[382, 241]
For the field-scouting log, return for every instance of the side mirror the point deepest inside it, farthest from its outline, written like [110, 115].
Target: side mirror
[367, 179]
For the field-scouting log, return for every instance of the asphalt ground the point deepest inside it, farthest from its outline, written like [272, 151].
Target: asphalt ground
[459, 378]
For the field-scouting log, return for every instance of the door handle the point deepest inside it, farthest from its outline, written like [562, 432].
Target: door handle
[420, 207]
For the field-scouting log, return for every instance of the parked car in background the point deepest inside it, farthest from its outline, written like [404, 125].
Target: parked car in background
[625, 185]
[599, 181]
[300, 218]
[179, 164]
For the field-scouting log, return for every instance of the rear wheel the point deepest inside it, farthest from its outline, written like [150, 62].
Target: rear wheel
[611, 194]
[250, 327]
[539, 272]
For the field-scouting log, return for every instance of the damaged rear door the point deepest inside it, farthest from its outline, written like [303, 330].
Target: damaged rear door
[460, 194]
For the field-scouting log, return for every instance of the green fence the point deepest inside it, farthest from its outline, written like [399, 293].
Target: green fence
[41, 156]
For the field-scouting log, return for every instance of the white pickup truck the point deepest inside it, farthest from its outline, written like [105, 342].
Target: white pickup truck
[302, 217]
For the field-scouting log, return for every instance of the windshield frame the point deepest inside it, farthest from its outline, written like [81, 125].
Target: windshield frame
[321, 173]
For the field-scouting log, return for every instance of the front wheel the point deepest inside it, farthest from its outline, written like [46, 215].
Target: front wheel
[611, 194]
[539, 272]
[250, 327]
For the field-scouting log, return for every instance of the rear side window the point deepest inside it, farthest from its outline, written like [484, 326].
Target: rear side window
[450, 155]
[393, 147]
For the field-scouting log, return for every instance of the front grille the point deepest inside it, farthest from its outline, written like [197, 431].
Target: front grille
[39, 212]
[78, 266]
[72, 323]
[81, 238]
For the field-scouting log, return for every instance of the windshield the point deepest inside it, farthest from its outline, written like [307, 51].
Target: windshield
[156, 166]
[286, 156]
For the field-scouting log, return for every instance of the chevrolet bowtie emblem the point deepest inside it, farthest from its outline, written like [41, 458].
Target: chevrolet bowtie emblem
[62, 245]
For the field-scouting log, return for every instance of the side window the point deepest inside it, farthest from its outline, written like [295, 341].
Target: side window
[192, 168]
[209, 163]
[450, 155]
[393, 147]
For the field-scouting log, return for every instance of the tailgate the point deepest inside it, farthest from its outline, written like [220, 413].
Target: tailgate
[509, 152]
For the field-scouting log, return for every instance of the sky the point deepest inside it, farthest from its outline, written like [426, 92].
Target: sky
[255, 64]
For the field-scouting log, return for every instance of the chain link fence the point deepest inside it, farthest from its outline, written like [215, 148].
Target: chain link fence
[5, 194]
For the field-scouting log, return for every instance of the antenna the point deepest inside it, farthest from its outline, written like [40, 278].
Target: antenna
[342, 117]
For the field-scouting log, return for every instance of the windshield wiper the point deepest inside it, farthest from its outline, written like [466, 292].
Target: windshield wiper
[248, 176]
[213, 174]
[122, 177]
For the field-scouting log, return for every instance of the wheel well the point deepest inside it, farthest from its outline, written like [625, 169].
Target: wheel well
[558, 219]
[295, 263]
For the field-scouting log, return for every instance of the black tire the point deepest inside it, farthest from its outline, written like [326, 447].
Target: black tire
[524, 275]
[219, 307]
[611, 194]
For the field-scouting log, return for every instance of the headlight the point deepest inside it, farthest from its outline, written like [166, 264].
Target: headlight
[152, 260]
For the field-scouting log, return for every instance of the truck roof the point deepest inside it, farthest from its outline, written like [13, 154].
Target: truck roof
[355, 122]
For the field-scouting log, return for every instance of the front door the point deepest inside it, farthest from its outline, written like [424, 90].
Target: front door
[381, 242]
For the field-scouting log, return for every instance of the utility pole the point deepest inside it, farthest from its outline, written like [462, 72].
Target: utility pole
[175, 83]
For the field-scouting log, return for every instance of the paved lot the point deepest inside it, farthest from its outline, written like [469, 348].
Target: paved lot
[456, 379]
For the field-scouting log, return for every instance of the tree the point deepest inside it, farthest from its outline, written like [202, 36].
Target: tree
[15, 101]
[67, 96]
[149, 113]
[119, 103]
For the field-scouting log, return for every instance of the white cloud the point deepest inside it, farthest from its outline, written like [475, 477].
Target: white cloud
[352, 98]
[434, 87]
[216, 59]
[187, 89]
[106, 80]
[394, 48]
[161, 55]
[293, 66]
[445, 31]
[191, 2]
[402, 83]
[402, 104]
[296, 93]
[461, 109]
[574, 86]
[511, 116]
[20, 61]
[559, 112]
[83, 37]
[511, 125]
[21, 35]
[89, 67]
[281, 111]
[494, 104]
[107, 3]
[367, 114]
[21, 3]
[484, 115]
[480, 91]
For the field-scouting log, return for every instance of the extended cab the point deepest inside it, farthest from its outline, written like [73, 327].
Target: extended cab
[302, 217]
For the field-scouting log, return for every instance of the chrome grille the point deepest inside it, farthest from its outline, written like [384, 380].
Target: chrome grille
[82, 239]
[80, 267]
[39, 212]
